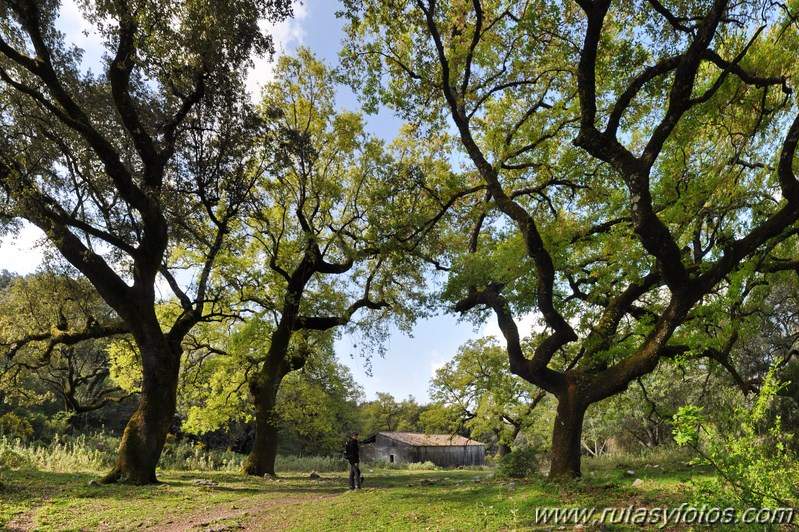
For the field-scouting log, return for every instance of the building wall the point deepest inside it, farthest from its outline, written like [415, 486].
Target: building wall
[388, 450]
[392, 451]
[461, 455]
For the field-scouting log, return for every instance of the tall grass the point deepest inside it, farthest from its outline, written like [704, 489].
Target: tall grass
[188, 456]
[320, 464]
[663, 456]
[98, 451]
[79, 454]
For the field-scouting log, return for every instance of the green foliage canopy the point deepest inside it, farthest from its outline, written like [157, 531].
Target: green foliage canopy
[488, 400]
[638, 162]
[54, 335]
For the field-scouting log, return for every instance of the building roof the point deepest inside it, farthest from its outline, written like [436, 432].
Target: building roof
[426, 440]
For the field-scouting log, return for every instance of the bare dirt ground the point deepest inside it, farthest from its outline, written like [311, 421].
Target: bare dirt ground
[22, 523]
[240, 516]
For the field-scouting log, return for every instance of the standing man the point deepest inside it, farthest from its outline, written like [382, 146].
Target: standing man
[351, 454]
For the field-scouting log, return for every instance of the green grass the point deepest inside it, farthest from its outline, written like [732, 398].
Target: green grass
[442, 500]
[51, 489]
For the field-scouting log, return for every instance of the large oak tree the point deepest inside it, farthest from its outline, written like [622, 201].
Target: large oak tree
[640, 156]
[316, 251]
[120, 162]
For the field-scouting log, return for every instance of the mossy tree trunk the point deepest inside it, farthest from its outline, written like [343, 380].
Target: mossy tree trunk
[146, 431]
[567, 436]
[283, 357]
[264, 387]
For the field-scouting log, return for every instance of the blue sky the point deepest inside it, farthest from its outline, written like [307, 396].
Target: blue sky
[410, 362]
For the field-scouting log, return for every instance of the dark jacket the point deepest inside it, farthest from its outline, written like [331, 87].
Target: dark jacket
[351, 451]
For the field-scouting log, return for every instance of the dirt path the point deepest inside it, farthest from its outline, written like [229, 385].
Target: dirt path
[242, 515]
[22, 523]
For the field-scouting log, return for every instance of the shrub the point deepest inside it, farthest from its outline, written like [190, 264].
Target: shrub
[521, 463]
[15, 426]
[190, 456]
[423, 466]
[753, 458]
[10, 457]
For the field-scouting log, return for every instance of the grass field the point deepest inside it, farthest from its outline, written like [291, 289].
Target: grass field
[456, 500]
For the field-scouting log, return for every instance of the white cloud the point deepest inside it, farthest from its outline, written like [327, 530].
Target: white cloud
[82, 33]
[287, 36]
[23, 252]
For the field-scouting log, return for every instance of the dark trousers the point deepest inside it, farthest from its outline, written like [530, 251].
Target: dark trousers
[355, 476]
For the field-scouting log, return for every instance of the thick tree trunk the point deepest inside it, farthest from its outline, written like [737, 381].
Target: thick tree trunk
[261, 460]
[504, 450]
[567, 435]
[146, 431]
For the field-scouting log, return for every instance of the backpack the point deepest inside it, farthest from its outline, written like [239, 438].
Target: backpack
[345, 453]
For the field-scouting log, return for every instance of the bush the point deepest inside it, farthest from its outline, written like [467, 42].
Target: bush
[521, 463]
[423, 466]
[10, 457]
[15, 426]
[48, 426]
[755, 463]
[189, 456]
